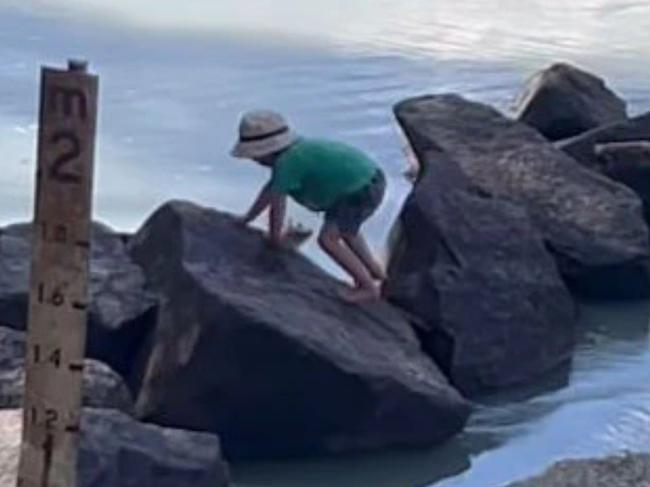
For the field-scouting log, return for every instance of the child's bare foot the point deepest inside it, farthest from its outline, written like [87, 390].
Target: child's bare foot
[358, 295]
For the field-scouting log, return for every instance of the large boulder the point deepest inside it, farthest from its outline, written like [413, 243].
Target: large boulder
[476, 270]
[563, 101]
[628, 163]
[629, 470]
[255, 344]
[593, 226]
[583, 147]
[117, 451]
[102, 387]
[122, 311]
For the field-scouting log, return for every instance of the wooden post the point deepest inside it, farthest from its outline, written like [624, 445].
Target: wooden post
[59, 278]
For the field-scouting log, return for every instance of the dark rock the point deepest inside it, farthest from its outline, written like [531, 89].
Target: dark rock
[102, 387]
[497, 313]
[629, 470]
[117, 451]
[122, 312]
[628, 163]
[593, 226]
[255, 344]
[12, 347]
[583, 147]
[563, 101]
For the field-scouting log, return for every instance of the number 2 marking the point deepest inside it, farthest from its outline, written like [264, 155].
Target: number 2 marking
[57, 171]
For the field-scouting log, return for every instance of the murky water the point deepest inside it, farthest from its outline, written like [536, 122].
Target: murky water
[174, 80]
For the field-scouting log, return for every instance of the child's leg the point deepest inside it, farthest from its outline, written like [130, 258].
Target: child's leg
[332, 243]
[359, 246]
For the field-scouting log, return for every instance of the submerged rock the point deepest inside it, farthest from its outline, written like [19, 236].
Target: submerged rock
[593, 226]
[117, 451]
[623, 471]
[563, 101]
[475, 269]
[583, 147]
[122, 312]
[256, 345]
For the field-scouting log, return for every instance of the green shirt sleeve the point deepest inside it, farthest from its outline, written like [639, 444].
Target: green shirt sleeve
[286, 177]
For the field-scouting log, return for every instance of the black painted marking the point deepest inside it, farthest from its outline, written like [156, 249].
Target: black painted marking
[73, 428]
[64, 100]
[76, 367]
[82, 243]
[48, 446]
[57, 170]
[80, 306]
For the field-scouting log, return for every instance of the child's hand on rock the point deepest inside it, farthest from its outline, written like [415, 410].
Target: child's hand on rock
[296, 235]
[293, 237]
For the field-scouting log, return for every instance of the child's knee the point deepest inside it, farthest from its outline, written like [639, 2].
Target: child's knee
[328, 237]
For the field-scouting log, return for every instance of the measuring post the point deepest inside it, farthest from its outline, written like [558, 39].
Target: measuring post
[58, 299]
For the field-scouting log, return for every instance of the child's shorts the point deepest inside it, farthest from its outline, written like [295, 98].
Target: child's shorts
[353, 210]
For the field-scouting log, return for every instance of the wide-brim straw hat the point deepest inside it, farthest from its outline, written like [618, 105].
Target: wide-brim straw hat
[262, 133]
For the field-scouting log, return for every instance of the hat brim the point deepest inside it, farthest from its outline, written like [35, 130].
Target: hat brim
[265, 147]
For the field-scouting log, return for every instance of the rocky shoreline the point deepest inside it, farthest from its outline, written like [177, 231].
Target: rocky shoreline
[205, 345]
[626, 470]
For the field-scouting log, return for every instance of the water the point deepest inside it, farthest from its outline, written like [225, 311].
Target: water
[175, 79]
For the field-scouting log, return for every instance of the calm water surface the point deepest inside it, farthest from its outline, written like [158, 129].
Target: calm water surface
[175, 79]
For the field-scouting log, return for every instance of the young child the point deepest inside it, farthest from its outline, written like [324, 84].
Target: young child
[324, 176]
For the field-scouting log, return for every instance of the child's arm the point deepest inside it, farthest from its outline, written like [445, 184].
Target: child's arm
[276, 217]
[261, 203]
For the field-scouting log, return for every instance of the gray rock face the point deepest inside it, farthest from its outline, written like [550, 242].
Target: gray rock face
[628, 163]
[623, 471]
[583, 147]
[12, 347]
[102, 387]
[122, 312]
[476, 271]
[563, 101]
[117, 451]
[255, 344]
[594, 226]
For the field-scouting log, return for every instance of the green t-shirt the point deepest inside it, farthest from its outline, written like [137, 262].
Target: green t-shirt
[317, 173]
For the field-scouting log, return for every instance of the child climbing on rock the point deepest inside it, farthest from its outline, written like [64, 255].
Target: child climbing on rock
[324, 176]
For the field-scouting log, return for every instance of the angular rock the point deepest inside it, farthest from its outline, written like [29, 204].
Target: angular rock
[476, 270]
[122, 311]
[117, 451]
[629, 470]
[254, 344]
[563, 101]
[593, 226]
[583, 147]
[628, 163]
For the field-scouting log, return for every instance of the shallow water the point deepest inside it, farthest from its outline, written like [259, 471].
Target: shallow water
[174, 80]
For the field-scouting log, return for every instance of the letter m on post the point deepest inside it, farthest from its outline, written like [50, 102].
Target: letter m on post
[69, 101]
